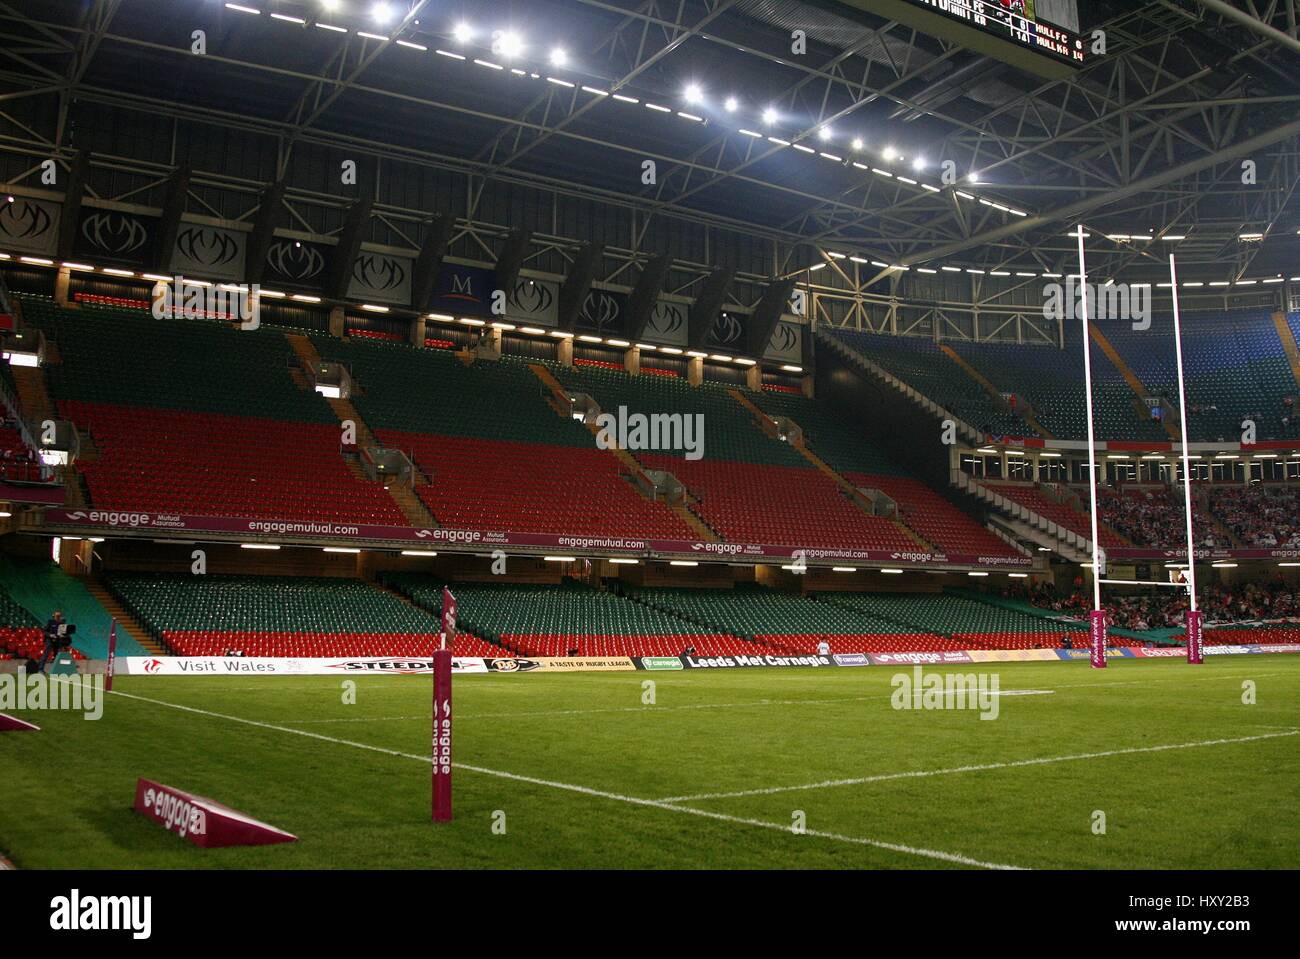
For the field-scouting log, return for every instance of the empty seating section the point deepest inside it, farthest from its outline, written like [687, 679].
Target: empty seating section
[532, 487]
[163, 460]
[923, 366]
[21, 636]
[788, 622]
[836, 440]
[497, 456]
[167, 404]
[547, 620]
[1234, 367]
[970, 623]
[1052, 381]
[1066, 516]
[127, 358]
[274, 616]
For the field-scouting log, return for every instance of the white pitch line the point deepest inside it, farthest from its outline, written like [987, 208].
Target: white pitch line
[982, 767]
[588, 791]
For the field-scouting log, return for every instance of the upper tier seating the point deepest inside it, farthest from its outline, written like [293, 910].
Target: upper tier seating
[1234, 368]
[1032, 497]
[830, 435]
[920, 364]
[172, 461]
[167, 404]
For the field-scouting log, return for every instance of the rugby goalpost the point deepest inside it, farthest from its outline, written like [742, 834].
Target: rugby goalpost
[1097, 617]
[442, 712]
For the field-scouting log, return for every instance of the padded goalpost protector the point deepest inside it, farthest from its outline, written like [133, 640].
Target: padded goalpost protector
[442, 736]
[1097, 637]
[1195, 637]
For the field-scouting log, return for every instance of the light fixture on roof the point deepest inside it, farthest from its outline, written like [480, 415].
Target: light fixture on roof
[825, 133]
[623, 561]
[381, 12]
[418, 552]
[769, 116]
[560, 559]
[340, 549]
[918, 163]
[694, 94]
[558, 57]
[844, 569]
[259, 546]
[463, 32]
[731, 105]
[508, 44]
[683, 562]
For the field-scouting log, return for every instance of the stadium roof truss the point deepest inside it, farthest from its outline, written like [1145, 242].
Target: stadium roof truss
[1148, 138]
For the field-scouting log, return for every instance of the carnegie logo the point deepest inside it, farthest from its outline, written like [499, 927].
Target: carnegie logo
[295, 260]
[24, 220]
[208, 247]
[175, 813]
[379, 273]
[114, 233]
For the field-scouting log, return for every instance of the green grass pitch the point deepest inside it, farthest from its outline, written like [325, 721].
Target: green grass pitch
[582, 774]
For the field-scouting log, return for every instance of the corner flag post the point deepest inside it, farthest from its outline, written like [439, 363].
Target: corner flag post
[1096, 618]
[112, 655]
[1195, 618]
[442, 713]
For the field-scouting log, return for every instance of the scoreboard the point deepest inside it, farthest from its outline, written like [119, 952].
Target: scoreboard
[1015, 31]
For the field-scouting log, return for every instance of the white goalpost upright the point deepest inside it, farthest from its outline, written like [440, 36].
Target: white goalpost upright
[1194, 616]
[1097, 617]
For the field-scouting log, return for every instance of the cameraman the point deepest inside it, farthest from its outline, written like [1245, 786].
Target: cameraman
[53, 640]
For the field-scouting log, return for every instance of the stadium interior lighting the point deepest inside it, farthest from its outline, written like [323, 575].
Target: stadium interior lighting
[918, 163]
[694, 94]
[825, 133]
[418, 552]
[844, 569]
[329, 5]
[259, 546]
[857, 143]
[381, 13]
[462, 32]
[340, 549]
[624, 561]
[558, 57]
[510, 44]
[973, 573]
[683, 562]
[892, 572]
[769, 116]
[560, 559]
[731, 105]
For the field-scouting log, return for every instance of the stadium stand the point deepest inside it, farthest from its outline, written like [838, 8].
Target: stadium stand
[542, 620]
[192, 425]
[788, 621]
[275, 616]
